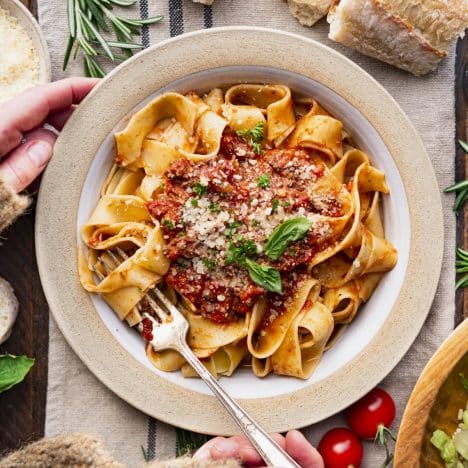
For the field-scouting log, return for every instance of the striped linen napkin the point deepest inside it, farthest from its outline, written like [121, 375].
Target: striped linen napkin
[77, 401]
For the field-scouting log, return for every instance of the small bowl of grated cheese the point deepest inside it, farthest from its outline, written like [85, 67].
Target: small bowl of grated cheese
[24, 58]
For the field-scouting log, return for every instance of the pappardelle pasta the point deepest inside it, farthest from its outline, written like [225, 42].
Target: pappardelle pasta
[255, 213]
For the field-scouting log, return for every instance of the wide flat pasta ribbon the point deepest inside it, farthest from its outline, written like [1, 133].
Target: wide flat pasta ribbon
[169, 105]
[265, 338]
[246, 103]
[304, 342]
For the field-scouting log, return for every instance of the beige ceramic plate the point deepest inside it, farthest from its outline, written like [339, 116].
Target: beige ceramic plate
[29, 23]
[434, 403]
[413, 220]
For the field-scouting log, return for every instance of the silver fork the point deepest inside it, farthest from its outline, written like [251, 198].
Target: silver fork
[170, 332]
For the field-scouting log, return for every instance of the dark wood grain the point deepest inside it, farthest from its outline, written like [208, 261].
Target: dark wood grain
[22, 411]
[461, 165]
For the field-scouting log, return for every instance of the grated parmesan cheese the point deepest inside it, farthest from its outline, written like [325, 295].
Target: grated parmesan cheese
[19, 61]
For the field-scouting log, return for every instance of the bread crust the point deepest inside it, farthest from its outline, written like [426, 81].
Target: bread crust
[308, 12]
[367, 26]
[439, 21]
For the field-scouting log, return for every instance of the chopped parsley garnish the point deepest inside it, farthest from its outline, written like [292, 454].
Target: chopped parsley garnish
[194, 202]
[210, 264]
[162, 186]
[230, 231]
[286, 204]
[253, 137]
[200, 189]
[274, 205]
[238, 252]
[257, 147]
[254, 223]
[214, 207]
[263, 181]
[168, 223]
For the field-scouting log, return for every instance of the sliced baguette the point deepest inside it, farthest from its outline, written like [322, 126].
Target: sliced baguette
[308, 12]
[368, 27]
[439, 21]
[8, 309]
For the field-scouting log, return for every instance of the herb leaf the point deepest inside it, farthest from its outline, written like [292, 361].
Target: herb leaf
[13, 369]
[461, 267]
[254, 136]
[290, 230]
[265, 276]
[210, 264]
[263, 181]
[238, 252]
[461, 188]
[274, 205]
[214, 207]
[200, 189]
[464, 145]
[169, 223]
[87, 19]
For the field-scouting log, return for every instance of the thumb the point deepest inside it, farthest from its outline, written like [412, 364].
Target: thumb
[302, 451]
[26, 162]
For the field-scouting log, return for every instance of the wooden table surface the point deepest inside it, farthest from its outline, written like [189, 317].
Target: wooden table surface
[22, 411]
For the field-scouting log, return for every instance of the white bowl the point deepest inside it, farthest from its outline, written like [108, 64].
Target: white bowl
[371, 316]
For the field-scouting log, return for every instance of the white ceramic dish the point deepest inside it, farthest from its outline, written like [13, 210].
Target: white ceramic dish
[371, 316]
[412, 216]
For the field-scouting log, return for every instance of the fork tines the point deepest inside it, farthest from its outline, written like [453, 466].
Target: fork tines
[153, 302]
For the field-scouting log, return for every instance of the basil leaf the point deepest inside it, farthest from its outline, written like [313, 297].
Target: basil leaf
[291, 230]
[13, 369]
[265, 276]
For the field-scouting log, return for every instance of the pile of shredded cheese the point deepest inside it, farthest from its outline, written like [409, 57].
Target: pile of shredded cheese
[19, 62]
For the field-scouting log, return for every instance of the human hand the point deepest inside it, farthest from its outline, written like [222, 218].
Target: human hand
[25, 147]
[240, 448]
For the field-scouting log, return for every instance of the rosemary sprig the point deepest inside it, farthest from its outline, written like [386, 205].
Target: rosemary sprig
[87, 19]
[460, 188]
[462, 268]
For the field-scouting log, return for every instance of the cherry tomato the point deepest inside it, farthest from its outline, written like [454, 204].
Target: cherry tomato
[341, 448]
[376, 409]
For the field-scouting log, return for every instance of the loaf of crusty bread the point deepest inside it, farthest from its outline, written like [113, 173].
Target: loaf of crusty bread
[439, 21]
[411, 34]
[308, 12]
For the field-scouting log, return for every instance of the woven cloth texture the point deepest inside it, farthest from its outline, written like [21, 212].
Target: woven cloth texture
[78, 402]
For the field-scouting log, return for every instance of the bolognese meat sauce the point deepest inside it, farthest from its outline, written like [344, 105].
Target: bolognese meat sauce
[212, 211]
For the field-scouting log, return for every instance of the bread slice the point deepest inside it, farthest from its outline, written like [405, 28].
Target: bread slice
[8, 309]
[367, 26]
[308, 12]
[439, 21]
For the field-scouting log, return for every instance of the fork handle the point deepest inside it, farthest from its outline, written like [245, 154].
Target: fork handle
[269, 450]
